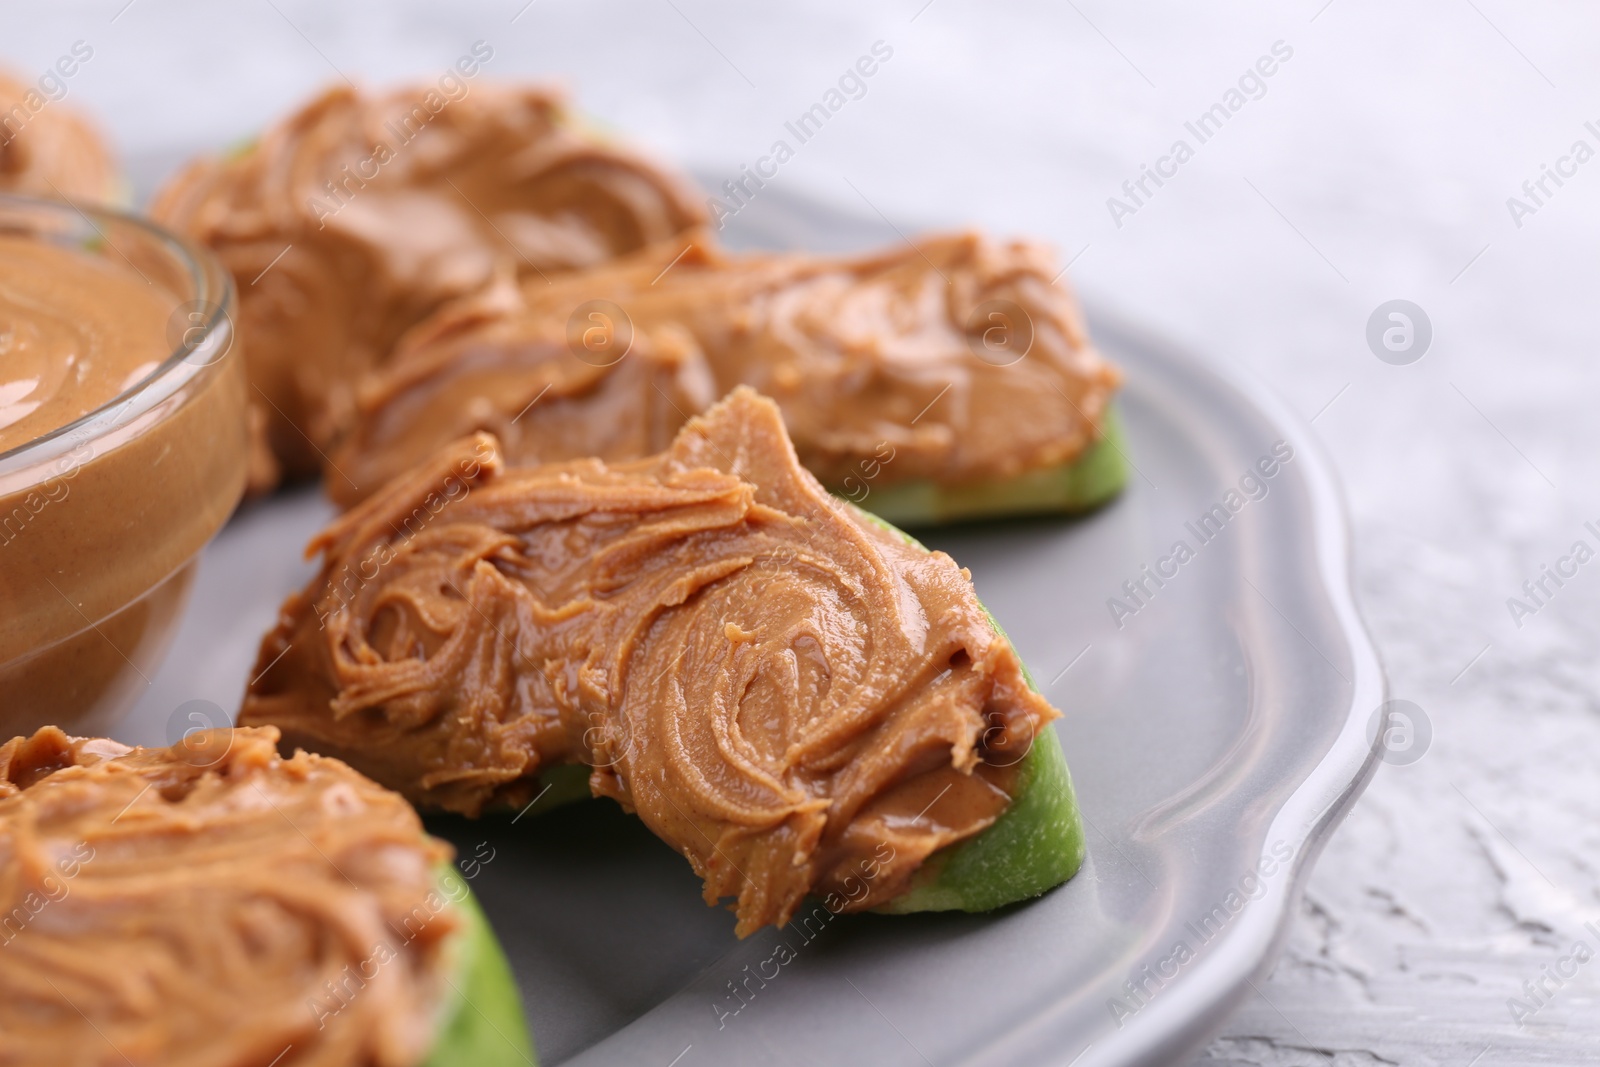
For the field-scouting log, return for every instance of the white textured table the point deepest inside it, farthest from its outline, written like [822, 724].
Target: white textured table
[1375, 164]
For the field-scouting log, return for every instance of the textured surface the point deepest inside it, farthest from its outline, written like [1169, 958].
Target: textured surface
[1376, 166]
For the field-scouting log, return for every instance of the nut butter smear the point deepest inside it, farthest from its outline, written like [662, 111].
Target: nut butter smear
[47, 147]
[191, 905]
[356, 216]
[75, 331]
[777, 685]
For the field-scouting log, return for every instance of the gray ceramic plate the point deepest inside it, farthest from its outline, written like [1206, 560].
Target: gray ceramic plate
[1216, 735]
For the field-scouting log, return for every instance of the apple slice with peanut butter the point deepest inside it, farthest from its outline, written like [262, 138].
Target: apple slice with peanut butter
[795, 696]
[354, 217]
[213, 902]
[950, 379]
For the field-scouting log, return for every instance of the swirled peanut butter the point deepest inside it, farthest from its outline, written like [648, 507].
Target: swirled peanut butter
[212, 903]
[956, 361]
[783, 690]
[47, 148]
[75, 331]
[540, 401]
[358, 215]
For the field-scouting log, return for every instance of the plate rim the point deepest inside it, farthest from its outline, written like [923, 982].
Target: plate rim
[1180, 1021]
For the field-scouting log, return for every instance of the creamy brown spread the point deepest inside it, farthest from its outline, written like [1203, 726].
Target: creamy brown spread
[358, 215]
[786, 692]
[212, 903]
[542, 403]
[956, 360]
[75, 331]
[48, 148]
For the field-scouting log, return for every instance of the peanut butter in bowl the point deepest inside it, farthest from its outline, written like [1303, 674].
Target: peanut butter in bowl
[123, 449]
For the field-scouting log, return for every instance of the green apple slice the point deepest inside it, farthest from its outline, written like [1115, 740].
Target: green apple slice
[1036, 844]
[1087, 482]
[481, 1021]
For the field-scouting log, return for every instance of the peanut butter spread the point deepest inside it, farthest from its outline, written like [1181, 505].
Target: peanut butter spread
[46, 147]
[358, 215]
[541, 402]
[212, 903]
[75, 331]
[956, 360]
[785, 691]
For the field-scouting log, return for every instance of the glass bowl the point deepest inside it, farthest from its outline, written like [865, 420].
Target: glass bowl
[102, 519]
